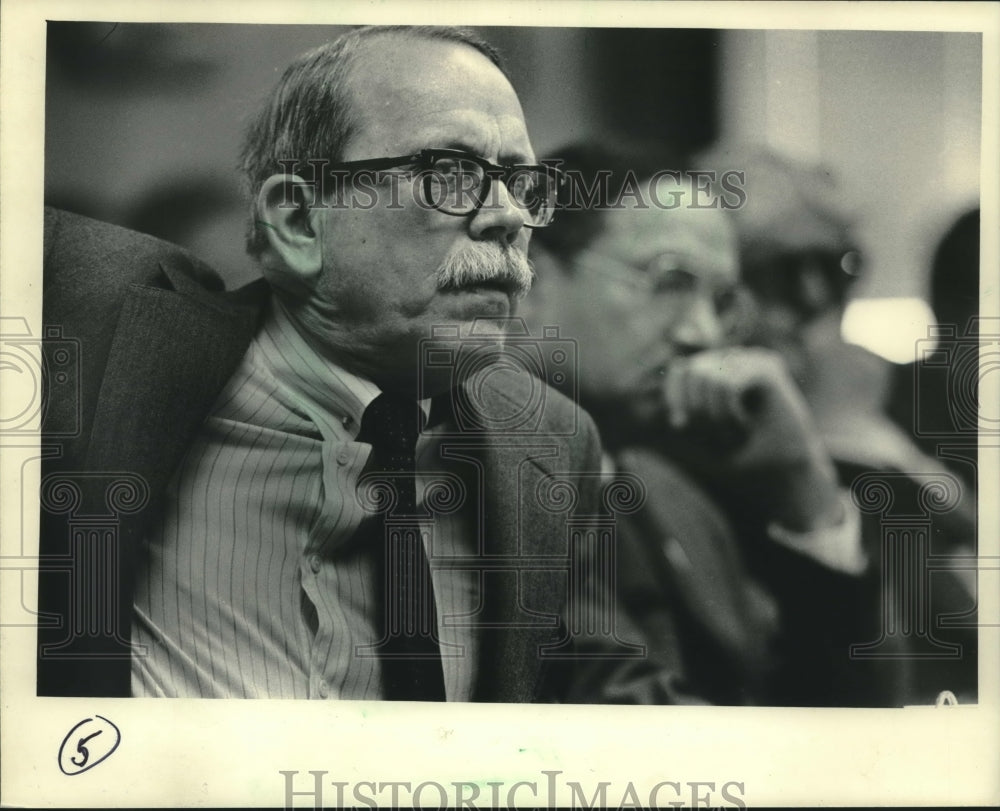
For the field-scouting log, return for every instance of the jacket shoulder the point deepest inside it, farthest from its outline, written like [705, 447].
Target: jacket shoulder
[84, 253]
[91, 272]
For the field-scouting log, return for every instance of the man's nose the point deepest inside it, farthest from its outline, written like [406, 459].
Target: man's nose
[499, 217]
[696, 325]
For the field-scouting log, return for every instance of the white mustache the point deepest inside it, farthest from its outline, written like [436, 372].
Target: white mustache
[483, 262]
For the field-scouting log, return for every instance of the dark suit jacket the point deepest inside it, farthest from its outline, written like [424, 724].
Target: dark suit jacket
[154, 339]
[731, 617]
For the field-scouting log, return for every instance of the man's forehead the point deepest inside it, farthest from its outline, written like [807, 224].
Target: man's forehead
[418, 92]
[669, 210]
[663, 222]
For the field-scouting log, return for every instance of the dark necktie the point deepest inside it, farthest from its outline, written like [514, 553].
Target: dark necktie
[409, 650]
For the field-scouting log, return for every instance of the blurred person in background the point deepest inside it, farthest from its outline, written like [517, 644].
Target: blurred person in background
[746, 573]
[935, 402]
[800, 260]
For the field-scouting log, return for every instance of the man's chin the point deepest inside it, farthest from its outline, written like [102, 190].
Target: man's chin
[454, 349]
[468, 303]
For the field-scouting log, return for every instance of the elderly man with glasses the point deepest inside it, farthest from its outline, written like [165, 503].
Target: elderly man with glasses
[746, 572]
[328, 499]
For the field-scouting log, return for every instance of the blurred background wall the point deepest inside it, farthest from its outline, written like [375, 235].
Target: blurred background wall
[143, 120]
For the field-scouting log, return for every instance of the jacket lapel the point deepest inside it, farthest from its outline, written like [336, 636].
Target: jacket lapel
[521, 603]
[171, 355]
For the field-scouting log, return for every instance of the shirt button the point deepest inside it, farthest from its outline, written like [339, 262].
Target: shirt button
[324, 690]
[343, 457]
[315, 563]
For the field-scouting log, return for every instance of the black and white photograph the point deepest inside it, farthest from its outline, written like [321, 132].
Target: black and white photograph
[623, 376]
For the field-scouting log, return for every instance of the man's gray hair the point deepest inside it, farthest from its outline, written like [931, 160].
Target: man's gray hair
[308, 114]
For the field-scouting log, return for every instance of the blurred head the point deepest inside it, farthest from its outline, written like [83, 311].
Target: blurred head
[955, 273]
[636, 281]
[796, 248]
[365, 273]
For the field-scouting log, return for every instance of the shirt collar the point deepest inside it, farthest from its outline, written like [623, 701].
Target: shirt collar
[326, 391]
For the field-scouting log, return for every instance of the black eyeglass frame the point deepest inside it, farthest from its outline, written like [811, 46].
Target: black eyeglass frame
[425, 160]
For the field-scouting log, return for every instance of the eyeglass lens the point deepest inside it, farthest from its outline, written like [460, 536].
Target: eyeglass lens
[460, 186]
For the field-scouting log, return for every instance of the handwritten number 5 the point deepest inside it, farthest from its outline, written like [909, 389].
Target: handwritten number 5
[83, 750]
[89, 752]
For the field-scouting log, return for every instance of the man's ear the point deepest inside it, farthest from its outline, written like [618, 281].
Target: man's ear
[287, 213]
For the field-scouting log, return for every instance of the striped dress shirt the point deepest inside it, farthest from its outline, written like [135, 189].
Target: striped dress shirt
[257, 582]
